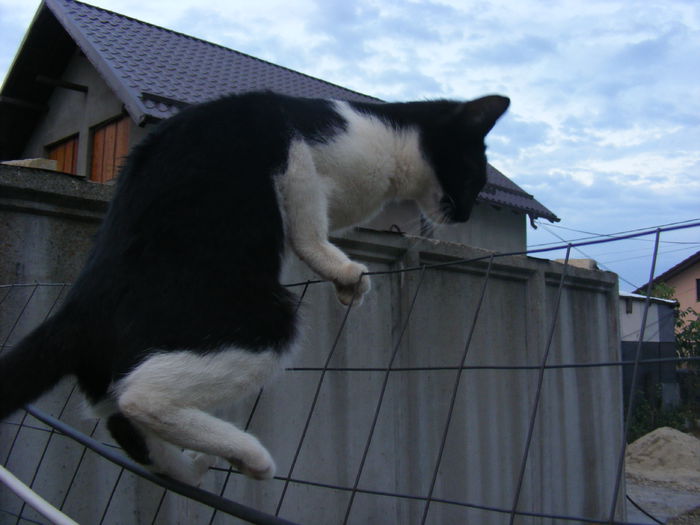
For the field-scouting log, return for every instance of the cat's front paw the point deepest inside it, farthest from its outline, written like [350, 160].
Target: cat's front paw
[353, 283]
[259, 465]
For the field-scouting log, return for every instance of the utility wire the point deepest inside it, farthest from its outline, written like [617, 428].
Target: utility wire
[645, 256]
[593, 235]
[579, 250]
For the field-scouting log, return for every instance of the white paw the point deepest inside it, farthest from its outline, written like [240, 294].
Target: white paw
[187, 467]
[352, 285]
[257, 466]
[200, 463]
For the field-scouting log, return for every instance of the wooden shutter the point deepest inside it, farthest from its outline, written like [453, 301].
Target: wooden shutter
[110, 145]
[65, 153]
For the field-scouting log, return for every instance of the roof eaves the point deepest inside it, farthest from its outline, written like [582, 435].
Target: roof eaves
[22, 44]
[513, 197]
[535, 210]
[672, 272]
[678, 268]
[640, 297]
[132, 103]
[503, 192]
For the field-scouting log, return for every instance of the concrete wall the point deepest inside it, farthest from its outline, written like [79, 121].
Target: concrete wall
[578, 430]
[47, 221]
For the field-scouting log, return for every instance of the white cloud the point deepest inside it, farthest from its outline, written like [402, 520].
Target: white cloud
[634, 136]
[657, 171]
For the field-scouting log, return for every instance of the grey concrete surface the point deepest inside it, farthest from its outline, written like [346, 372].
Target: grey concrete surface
[662, 501]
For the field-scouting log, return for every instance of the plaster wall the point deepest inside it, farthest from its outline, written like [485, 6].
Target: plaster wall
[498, 229]
[685, 285]
[73, 112]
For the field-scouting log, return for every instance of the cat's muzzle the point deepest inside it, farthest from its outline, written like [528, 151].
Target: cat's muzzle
[452, 213]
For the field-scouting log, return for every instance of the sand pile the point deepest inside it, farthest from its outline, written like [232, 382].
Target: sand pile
[665, 456]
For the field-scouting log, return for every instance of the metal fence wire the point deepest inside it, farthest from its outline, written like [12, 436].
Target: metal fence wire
[72, 450]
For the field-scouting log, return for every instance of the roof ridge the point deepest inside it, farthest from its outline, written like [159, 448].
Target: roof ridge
[214, 44]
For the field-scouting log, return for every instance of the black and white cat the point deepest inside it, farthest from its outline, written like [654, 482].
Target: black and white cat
[179, 308]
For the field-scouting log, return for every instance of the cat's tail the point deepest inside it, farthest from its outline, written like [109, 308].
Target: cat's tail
[34, 365]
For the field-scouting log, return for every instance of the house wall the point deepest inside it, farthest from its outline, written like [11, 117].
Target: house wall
[498, 229]
[686, 288]
[660, 319]
[578, 431]
[72, 112]
[659, 342]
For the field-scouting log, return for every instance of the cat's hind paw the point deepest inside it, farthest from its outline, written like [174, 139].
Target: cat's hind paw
[201, 463]
[187, 466]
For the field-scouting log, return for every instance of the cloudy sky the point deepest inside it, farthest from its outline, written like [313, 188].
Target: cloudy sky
[604, 125]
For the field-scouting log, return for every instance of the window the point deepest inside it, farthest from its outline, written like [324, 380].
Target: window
[697, 290]
[65, 153]
[110, 144]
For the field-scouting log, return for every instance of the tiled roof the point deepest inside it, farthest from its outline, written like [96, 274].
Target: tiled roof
[154, 71]
[501, 191]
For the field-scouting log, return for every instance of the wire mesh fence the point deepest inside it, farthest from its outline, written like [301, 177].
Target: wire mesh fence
[393, 379]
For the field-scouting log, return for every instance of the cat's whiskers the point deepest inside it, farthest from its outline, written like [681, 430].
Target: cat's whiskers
[415, 229]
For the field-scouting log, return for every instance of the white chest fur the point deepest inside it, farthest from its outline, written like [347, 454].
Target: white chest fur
[367, 165]
[345, 181]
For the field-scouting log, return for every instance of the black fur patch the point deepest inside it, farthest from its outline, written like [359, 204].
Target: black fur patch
[190, 251]
[129, 438]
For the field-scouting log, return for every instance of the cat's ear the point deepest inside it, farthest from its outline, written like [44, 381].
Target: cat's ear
[482, 113]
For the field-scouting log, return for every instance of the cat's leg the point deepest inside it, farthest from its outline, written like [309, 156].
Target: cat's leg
[169, 395]
[155, 454]
[304, 200]
[183, 465]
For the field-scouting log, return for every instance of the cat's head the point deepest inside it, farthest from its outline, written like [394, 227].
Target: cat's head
[456, 150]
